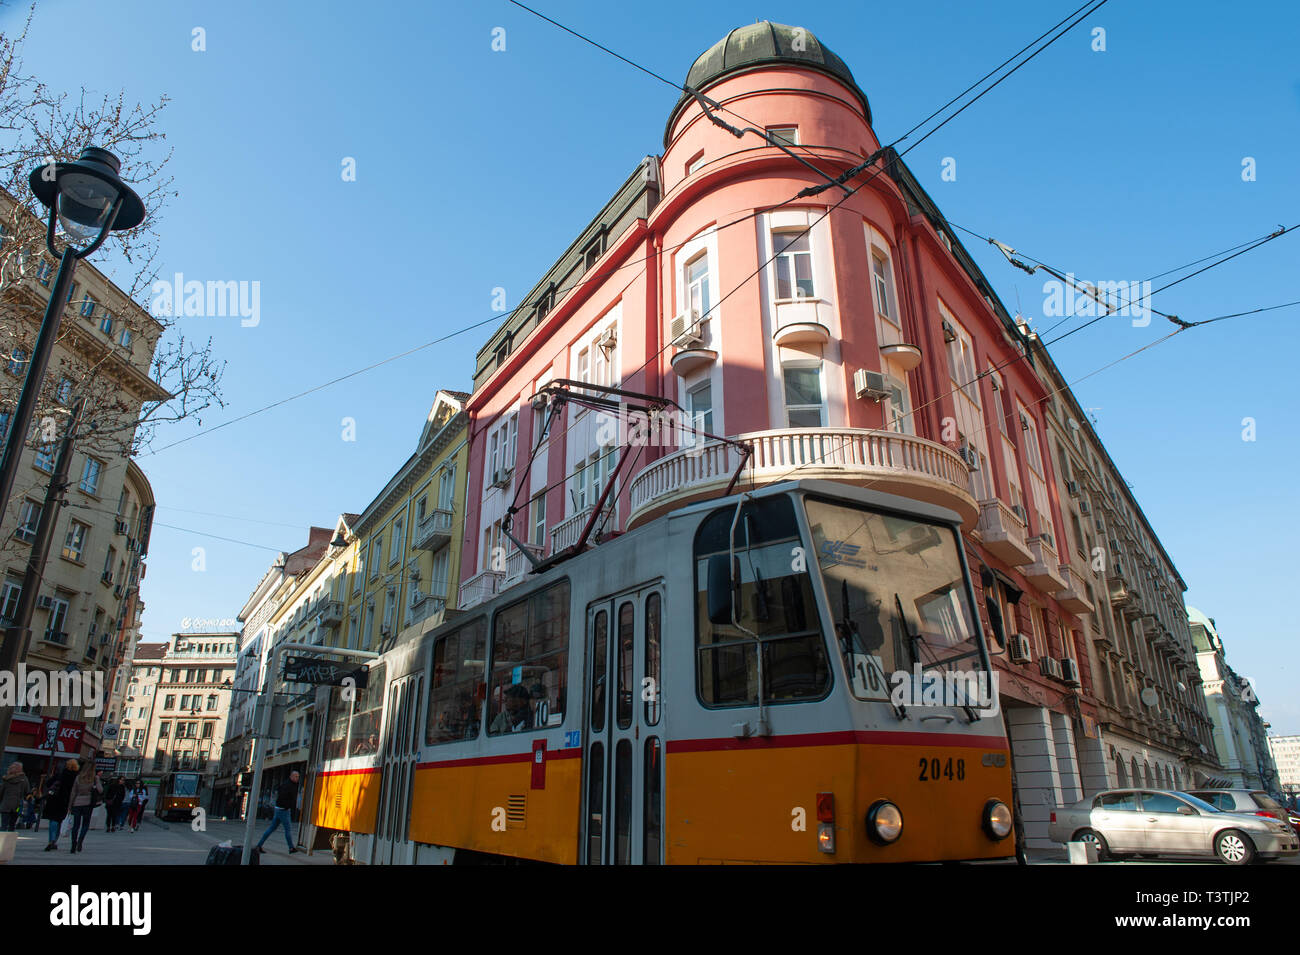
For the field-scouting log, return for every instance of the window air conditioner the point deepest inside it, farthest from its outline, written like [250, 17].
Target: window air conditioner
[1018, 647]
[949, 333]
[685, 329]
[869, 384]
[1070, 672]
[44, 602]
[1072, 488]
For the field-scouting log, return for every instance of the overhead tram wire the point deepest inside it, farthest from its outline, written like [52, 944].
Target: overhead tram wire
[1091, 7]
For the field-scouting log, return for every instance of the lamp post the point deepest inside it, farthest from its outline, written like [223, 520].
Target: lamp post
[89, 200]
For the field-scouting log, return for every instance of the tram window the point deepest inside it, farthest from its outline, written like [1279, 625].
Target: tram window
[650, 693]
[623, 802]
[336, 734]
[776, 602]
[367, 714]
[599, 659]
[626, 633]
[456, 690]
[652, 847]
[595, 803]
[530, 656]
[897, 594]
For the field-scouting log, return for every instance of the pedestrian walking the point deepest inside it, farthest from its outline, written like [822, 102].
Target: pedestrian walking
[14, 788]
[28, 820]
[114, 796]
[85, 790]
[139, 799]
[58, 796]
[286, 798]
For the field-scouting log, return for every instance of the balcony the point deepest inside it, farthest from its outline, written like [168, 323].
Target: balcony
[331, 613]
[424, 606]
[566, 533]
[883, 460]
[480, 588]
[802, 333]
[434, 531]
[518, 565]
[1003, 533]
[687, 361]
[1045, 572]
[1074, 597]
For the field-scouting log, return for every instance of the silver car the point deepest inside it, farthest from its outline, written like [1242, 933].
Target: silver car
[1157, 822]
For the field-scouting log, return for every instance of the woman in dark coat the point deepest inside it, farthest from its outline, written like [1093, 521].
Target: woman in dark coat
[58, 792]
[113, 798]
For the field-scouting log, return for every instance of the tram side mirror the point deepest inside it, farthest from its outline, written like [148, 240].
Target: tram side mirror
[994, 611]
[722, 588]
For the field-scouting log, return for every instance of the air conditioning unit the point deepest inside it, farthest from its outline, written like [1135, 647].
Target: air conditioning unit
[1048, 539]
[608, 339]
[970, 456]
[501, 477]
[1019, 511]
[685, 329]
[1085, 508]
[119, 527]
[1072, 487]
[1050, 667]
[1070, 672]
[1018, 648]
[869, 384]
[949, 333]
[44, 602]
[1024, 423]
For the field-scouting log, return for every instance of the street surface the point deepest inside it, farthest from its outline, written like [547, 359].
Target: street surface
[156, 843]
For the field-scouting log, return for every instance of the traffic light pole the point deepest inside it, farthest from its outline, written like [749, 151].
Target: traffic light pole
[19, 633]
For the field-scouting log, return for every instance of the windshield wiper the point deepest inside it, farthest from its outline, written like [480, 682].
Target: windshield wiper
[916, 640]
[853, 639]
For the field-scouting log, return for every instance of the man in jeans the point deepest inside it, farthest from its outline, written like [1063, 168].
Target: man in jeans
[286, 798]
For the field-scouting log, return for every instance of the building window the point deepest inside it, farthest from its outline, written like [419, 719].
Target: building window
[803, 395]
[6, 418]
[376, 549]
[699, 405]
[697, 286]
[882, 277]
[45, 457]
[212, 701]
[794, 272]
[58, 617]
[395, 546]
[170, 702]
[438, 572]
[29, 515]
[446, 488]
[537, 518]
[591, 255]
[88, 305]
[74, 545]
[106, 324]
[17, 362]
[126, 338]
[898, 411]
[64, 393]
[694, 163]
[164, 730]
[90, 475]
[13, 589]
[44, 272]
[786, 134]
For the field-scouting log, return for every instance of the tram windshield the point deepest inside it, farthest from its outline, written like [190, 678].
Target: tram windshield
[898, 597]
[185, 784]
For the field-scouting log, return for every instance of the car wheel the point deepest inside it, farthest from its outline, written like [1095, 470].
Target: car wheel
[1096, 838]
[1234, 847]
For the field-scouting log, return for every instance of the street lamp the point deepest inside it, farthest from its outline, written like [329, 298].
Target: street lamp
[89, 200]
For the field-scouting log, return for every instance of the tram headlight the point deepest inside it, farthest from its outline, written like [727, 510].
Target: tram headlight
[884, 822]
[997, 819]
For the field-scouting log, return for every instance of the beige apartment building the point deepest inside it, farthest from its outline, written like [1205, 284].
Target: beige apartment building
[88, 608]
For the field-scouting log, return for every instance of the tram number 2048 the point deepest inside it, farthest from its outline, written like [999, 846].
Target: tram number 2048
[937, 770]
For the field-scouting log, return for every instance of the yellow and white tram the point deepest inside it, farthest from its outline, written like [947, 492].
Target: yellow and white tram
[714, 686]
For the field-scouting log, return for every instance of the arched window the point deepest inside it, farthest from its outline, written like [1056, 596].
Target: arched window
[1121, 775]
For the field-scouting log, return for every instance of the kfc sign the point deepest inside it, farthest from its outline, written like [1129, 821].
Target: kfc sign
[65, 734]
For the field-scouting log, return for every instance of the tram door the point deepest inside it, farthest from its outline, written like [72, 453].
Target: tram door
[400, 747]
[623, 785]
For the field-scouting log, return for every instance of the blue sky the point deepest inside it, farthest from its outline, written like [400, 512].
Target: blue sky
[475, 169]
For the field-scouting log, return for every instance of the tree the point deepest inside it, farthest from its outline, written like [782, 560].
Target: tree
[136, 371]
[39, 125]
